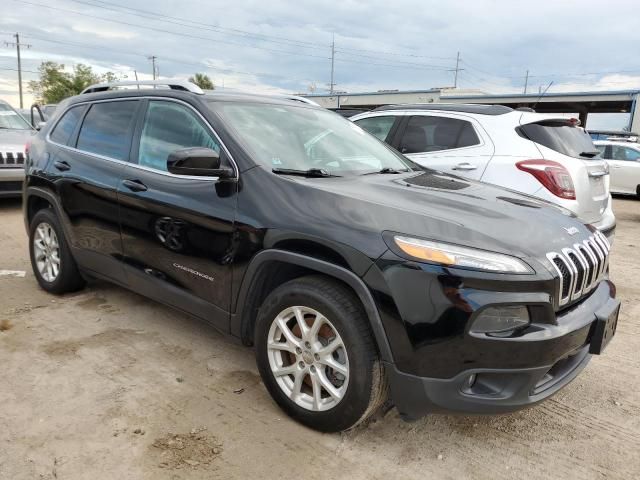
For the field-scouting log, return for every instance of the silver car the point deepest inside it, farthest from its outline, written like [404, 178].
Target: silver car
[15, 133]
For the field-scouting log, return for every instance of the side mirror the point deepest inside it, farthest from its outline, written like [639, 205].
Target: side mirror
[197, 162]
[40, 125]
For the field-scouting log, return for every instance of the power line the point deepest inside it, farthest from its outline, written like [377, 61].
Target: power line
[202, 64]
[160, 30]
[401, 62]
[15, 70]
[171, 20]
[547, 75]
[244, 33]
[395, 54]
[216, 28]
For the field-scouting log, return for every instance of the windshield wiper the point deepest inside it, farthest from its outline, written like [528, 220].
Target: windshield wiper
[311, 172]
[387, 170]
[590, 154]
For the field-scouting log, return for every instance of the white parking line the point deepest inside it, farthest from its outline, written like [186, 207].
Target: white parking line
[12, 273]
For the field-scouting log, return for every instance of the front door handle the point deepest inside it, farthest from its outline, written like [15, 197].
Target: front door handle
[135, 185]
[62, 165]
[465, 166]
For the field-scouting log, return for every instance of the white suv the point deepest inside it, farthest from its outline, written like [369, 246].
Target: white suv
[546, 156]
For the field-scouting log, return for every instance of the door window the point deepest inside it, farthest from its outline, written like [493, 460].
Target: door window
[603, 150]
[106, 129]
[624, 153]
[377, 126]
[66, 126]
[168, 127]
[432, 134]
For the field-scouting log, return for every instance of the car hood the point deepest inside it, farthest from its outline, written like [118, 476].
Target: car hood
[441, 207]
[14, 140]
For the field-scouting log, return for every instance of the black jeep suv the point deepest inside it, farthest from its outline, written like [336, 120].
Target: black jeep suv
[358, 276]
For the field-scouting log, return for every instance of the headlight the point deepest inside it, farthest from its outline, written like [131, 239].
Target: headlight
[457, 256]
[501, 321]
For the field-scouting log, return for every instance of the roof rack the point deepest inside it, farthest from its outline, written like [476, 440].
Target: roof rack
[172, 84]
[451, 107]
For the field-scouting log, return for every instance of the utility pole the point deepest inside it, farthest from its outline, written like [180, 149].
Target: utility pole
[333, 56]
[526, 81]
[153, 64]
[455, 78]
[17, 44]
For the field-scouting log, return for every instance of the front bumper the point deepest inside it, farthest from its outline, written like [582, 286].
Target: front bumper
[11, 181]
[501, 390]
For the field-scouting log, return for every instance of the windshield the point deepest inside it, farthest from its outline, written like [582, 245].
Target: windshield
[302, 138]
[9, 118]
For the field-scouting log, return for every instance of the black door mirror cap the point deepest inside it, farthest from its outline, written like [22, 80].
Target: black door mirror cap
[197, 162]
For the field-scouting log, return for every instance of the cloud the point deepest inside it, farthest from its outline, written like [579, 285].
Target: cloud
[283, 45]
[607, 82]
[110, 33]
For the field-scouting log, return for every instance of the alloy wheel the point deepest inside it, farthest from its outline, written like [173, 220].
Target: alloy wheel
[308, 358]
[46, 252]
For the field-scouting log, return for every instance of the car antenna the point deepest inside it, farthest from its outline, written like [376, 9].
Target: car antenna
[542, 95]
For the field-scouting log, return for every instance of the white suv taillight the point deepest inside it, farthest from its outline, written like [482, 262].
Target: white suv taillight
[552, 175]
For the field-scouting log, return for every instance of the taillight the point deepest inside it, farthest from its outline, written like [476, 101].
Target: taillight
[552, 175]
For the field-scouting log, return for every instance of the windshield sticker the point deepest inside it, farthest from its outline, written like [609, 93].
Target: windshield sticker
[7, 113]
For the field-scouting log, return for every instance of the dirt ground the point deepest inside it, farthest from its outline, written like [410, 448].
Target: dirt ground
[105, 384]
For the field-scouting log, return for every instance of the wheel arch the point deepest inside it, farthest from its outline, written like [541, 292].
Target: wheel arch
[35, 199]
[260, 279]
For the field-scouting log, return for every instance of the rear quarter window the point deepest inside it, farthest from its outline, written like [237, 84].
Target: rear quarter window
[66, 126]
[561, 137]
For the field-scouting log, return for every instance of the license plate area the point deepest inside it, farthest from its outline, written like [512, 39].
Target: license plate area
[605, 327]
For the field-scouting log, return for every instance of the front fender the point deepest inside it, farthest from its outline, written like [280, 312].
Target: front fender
[241, 317]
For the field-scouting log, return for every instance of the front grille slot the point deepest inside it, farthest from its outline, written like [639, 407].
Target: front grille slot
[11, 159]
[580, 267]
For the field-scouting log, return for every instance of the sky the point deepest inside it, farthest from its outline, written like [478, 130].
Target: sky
[285, 45]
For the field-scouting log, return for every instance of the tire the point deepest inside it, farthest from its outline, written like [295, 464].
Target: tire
[352, 388]
[66, 277]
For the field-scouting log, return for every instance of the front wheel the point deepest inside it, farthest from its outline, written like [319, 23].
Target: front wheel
[316, 354]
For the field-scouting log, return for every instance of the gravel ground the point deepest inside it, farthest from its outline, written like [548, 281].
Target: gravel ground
[107, 384]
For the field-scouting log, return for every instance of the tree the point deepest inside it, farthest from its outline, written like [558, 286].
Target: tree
[203, 81]
[56, 84]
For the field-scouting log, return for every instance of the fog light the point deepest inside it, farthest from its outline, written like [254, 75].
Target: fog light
[501, 321]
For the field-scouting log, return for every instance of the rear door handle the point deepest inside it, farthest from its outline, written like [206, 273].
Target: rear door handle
[135, 185]
[465, 166]
[62, 165]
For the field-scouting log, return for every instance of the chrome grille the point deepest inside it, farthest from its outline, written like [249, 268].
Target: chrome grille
[11, 159]
[580, 267]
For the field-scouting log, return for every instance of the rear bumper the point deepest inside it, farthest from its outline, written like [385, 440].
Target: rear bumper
[607, 224]
[11, 182]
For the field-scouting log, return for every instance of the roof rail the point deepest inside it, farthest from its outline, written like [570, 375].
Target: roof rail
[172, 84]
[477, 108]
